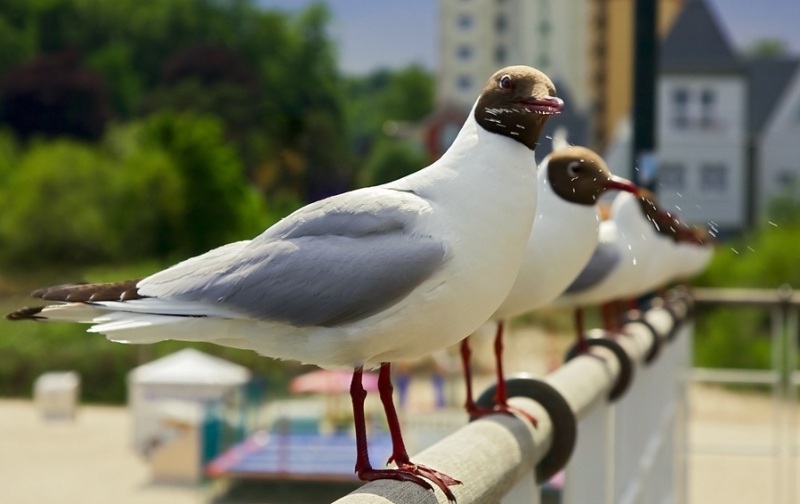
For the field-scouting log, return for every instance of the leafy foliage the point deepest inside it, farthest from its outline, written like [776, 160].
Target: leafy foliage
[270, 77]
[384, 95]
[763, 258]
[219, 206]
[390, 160]
[169, 186]
[54, 95]
[767, 48]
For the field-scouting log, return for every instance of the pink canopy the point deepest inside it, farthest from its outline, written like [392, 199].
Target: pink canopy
[323, 381]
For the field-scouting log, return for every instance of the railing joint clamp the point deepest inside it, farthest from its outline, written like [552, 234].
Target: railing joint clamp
[565, 425]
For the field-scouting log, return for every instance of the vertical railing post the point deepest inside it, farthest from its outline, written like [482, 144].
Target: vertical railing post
[590, 469]
[777, 326]
[684, 346]
[792, 323]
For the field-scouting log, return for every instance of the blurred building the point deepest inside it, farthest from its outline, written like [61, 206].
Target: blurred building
[774, 121]
[728, 126]
[727, 131]
[611, 61]
[585, 46]
[702, 122]
[180, 406]
[478, 37]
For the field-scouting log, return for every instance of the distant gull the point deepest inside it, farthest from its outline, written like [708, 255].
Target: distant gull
[563, 238]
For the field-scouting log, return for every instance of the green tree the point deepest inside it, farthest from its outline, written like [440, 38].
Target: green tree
[767, 48]
[762, 258]
[50, 213]
[391, 160]
[103, 208]
[132, 44]
[220, 206]
[386, 95]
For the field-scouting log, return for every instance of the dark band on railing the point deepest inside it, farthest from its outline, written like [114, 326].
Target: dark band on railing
[625, 376]
[637, 317]
[680, 294]
[565, 425]
[676, 321]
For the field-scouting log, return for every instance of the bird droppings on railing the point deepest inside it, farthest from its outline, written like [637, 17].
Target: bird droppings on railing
[493, 454]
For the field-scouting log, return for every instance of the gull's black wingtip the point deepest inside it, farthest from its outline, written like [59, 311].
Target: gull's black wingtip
[27, 313]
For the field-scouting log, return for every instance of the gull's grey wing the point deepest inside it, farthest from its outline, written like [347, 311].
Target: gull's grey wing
[600, 265]
[331, 263]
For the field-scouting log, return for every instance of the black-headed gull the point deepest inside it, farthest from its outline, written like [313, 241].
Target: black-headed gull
[562, 239]
[637, 253]
[363, 278]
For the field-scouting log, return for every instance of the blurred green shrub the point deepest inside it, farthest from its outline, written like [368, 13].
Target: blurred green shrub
[404, 95]
[270, 76]
[166, 187]
[220, 206]
[762, 258]
[390, 160]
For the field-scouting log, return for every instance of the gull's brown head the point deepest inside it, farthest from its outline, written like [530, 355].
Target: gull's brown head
[516, 102]
[579, 175]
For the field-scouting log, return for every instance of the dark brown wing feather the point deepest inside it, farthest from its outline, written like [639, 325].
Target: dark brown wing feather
[27, 313]
[90, 292]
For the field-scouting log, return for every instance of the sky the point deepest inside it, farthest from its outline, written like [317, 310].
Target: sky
[375, 33]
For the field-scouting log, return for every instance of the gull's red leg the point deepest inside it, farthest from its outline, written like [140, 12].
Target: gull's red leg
[501, 396]
[363, 467]
[399, 452]
[608, 316]
[466, 355]
[582, 346]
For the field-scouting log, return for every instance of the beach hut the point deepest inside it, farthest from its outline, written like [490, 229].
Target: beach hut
[169, 400]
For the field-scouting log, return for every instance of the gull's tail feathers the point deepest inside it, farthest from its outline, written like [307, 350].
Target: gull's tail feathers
[66, 312]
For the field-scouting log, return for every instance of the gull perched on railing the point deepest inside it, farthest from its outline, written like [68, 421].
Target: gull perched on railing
[562, 239]
[641, 248]
[363, 278]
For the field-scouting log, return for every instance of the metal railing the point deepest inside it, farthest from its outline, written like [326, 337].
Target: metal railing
[783, 377]
[625, 450]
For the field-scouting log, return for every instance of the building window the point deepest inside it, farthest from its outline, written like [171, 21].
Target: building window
[464, 82]
[464, 52]
[672, 176]
[464, 21]
[680, 109]
[501, 23]
[500, 54]
[708, 102]
[714, 178]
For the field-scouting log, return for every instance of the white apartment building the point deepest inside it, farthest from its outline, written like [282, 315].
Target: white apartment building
[478, 37]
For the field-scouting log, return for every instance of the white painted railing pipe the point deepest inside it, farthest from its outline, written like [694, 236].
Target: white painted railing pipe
[495, 454]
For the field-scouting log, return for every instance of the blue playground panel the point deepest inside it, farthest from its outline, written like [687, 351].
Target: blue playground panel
[269, 455]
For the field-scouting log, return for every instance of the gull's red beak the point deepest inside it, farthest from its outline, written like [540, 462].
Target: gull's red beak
[549, 105]
[621, 184]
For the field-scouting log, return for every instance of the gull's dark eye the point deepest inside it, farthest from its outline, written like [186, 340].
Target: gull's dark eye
[505, 82]
[574, 169]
